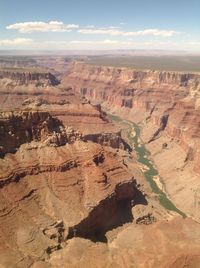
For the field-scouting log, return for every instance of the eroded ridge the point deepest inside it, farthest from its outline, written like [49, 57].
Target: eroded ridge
[70, 178]
[166, 105]
[55, 182]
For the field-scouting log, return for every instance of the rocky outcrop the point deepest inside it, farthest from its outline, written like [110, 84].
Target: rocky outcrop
[163, 124]
[113, 140]
[23, 77]
[148, 95]
[111, 74]
[37, 102]
[54, 183]
[162, 244]
[10, 62]
[146, 219]
[59, 186]
[47, 192]
[167, 107]
[110, 213]
[17, 128]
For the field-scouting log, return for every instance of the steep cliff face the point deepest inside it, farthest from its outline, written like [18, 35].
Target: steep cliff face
[148, 95]
[147, 91]
[51, 194]
[56, 183]
[10, 62]
[113, 140]
[21, 127]
[24, 77]
[167, 106]
[112, 74]
[58, 186]
[32, 88]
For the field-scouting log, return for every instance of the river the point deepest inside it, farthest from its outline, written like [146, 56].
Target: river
[143, 157]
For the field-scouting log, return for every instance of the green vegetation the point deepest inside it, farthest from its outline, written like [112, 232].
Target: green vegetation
[143, 158]
[161, 63]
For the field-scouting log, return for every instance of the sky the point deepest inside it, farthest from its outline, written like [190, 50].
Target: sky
[102, 24]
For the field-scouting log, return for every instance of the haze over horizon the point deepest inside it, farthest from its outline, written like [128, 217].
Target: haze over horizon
[88, 25]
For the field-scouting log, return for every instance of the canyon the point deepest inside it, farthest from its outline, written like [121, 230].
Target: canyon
[166, 106]
[73, 191]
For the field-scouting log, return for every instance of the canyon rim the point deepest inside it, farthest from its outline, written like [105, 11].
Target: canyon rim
[99, 134]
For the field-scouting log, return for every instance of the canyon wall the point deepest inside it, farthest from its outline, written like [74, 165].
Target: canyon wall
[26, 77]
[152, 94]
[17, 128]
[68, 179]
[166, 105]
[55, 183]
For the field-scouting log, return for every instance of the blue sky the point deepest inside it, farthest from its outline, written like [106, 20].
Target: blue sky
[147, 24]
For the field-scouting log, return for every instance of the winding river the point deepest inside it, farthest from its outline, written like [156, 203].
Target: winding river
[143, 157]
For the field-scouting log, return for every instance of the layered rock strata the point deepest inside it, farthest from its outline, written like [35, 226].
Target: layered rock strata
[166, 104]
[55, 186]
[18, 127]
[25, 77]
[58, 187]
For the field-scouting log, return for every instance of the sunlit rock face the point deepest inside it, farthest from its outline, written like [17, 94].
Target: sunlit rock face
[49, 190]
[153, 94]
[148, 98]
[72, 193]
[39, 79]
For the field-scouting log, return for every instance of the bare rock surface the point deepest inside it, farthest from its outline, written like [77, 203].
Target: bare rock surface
[166, 105]
[71, 191]
[163, 244]
[49, 194]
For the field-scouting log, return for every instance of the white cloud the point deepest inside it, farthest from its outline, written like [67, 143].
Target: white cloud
[194, 43]
[87, 44]
[39, 26]
[116, 32]
[89, 26]
[103, 42]
[95, 42]
[16, 42]
[59, 26]
[112, 27]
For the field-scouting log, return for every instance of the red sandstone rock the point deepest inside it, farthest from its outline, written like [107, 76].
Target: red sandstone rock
[147, 97]
[53, 195]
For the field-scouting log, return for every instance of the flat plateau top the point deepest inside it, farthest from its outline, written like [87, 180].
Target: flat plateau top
[181, 63]
[23, 69]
